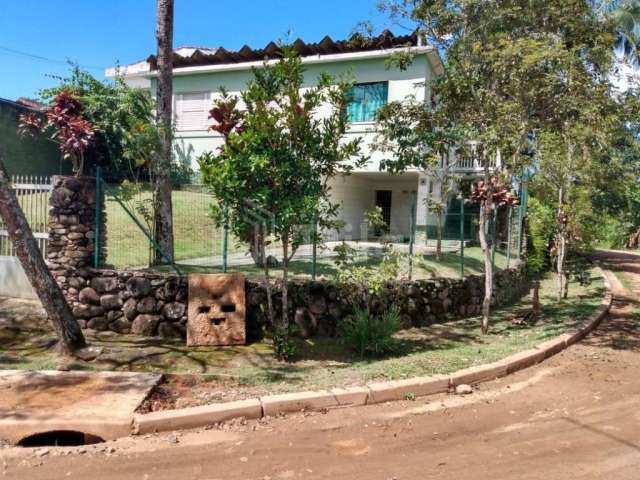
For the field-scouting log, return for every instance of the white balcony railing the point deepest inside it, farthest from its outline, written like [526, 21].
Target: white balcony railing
[469, 165]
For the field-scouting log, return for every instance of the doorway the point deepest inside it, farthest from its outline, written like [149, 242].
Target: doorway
[383, 200]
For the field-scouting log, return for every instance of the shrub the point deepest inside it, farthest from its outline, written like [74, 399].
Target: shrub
[541, 230]
[371, 335]
[613, 232]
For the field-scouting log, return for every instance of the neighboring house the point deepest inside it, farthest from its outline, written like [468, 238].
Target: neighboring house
[27, 156]
[200, 73]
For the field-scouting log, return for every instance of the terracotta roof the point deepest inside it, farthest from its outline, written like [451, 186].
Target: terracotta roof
[326, 46]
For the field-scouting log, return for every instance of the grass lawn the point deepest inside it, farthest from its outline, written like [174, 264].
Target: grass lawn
[205, 375]
[195, 234]
[424, 267]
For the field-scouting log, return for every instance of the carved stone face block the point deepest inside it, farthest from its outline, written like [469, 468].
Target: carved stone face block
[216, 314]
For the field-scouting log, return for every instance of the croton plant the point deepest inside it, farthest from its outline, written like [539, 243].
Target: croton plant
[64, 125]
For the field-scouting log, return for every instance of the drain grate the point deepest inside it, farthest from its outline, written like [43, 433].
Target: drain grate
[59, 438]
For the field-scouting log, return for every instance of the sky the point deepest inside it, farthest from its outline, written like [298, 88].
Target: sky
[37, 37]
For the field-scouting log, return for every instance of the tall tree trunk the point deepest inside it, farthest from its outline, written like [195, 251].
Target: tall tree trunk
[163, 212]
[485, 213]
[284, 321]
[69, 334]
[256, 244]
[488, 266]
[267, 282]
[561, 245]
[536, 307]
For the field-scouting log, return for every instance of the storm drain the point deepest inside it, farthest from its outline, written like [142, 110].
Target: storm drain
[59, 438]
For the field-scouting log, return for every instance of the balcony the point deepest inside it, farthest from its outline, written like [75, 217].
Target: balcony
[470, 166]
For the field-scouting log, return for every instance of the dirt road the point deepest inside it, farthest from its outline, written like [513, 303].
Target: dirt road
[576, 416]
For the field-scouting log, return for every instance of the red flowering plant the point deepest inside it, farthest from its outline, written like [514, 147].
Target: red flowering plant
[67, 127]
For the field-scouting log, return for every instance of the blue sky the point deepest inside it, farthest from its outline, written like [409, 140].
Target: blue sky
[100, 33]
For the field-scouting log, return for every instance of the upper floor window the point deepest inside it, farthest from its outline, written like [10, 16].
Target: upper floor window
[366, 99]
[192, 110]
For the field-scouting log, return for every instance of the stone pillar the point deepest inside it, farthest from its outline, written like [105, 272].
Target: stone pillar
[72, 225]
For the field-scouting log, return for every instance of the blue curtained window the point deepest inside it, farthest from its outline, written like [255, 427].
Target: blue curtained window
[365, 101]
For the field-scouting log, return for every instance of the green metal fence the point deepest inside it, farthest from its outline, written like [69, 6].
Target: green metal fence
[202, 246]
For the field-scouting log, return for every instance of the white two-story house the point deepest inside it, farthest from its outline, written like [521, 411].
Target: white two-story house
[199, 74]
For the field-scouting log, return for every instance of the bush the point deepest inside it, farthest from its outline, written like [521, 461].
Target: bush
[370, 335]
[613, 232]
[541, 230]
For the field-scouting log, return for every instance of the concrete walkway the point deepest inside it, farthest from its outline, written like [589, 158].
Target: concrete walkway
[99, 404]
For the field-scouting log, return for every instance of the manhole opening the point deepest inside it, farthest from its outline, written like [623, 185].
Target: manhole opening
[59, 438]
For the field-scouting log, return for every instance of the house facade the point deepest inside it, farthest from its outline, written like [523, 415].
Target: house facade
[199, 75]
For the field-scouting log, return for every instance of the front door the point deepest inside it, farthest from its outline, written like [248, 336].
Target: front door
[383, 200]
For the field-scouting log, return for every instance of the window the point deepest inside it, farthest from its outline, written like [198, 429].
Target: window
[192, 110]
[365, 101]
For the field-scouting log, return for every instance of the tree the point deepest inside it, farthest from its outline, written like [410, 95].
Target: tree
[625, 17]
[69, 334]
[163, 211]
[438, 203]
[417, 136]
[513, 68]
[122, 118]
[228, 119]
[273, 172]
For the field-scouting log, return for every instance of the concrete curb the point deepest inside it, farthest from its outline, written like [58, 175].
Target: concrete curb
[378, 392]
[194, 417]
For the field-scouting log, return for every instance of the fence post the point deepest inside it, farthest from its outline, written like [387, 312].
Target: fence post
[225, 241]
[461, 236]
[412, 232]
[426, 226]
[98, 218]
[314, 248]
[509, 236]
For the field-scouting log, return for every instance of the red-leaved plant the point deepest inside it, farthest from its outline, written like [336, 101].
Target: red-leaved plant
[227, 116]
[501, 195]
[68, 128]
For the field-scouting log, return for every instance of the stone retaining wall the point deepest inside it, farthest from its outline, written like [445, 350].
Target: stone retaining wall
[318, 307]
[153, 304]
[142, 303]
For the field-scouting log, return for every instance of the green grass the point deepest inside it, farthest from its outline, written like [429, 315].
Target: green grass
[236, 372]
[424, 266]
[195, 233]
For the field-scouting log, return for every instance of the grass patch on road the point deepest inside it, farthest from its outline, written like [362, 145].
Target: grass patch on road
[208, 374]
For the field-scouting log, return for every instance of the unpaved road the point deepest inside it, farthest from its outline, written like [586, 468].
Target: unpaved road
[576, 416]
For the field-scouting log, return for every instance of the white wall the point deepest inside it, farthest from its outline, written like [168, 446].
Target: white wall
[401, 84]
[355, 194]
[13, 280]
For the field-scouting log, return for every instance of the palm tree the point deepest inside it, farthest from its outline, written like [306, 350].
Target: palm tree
[625, 17]
[163, 212]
